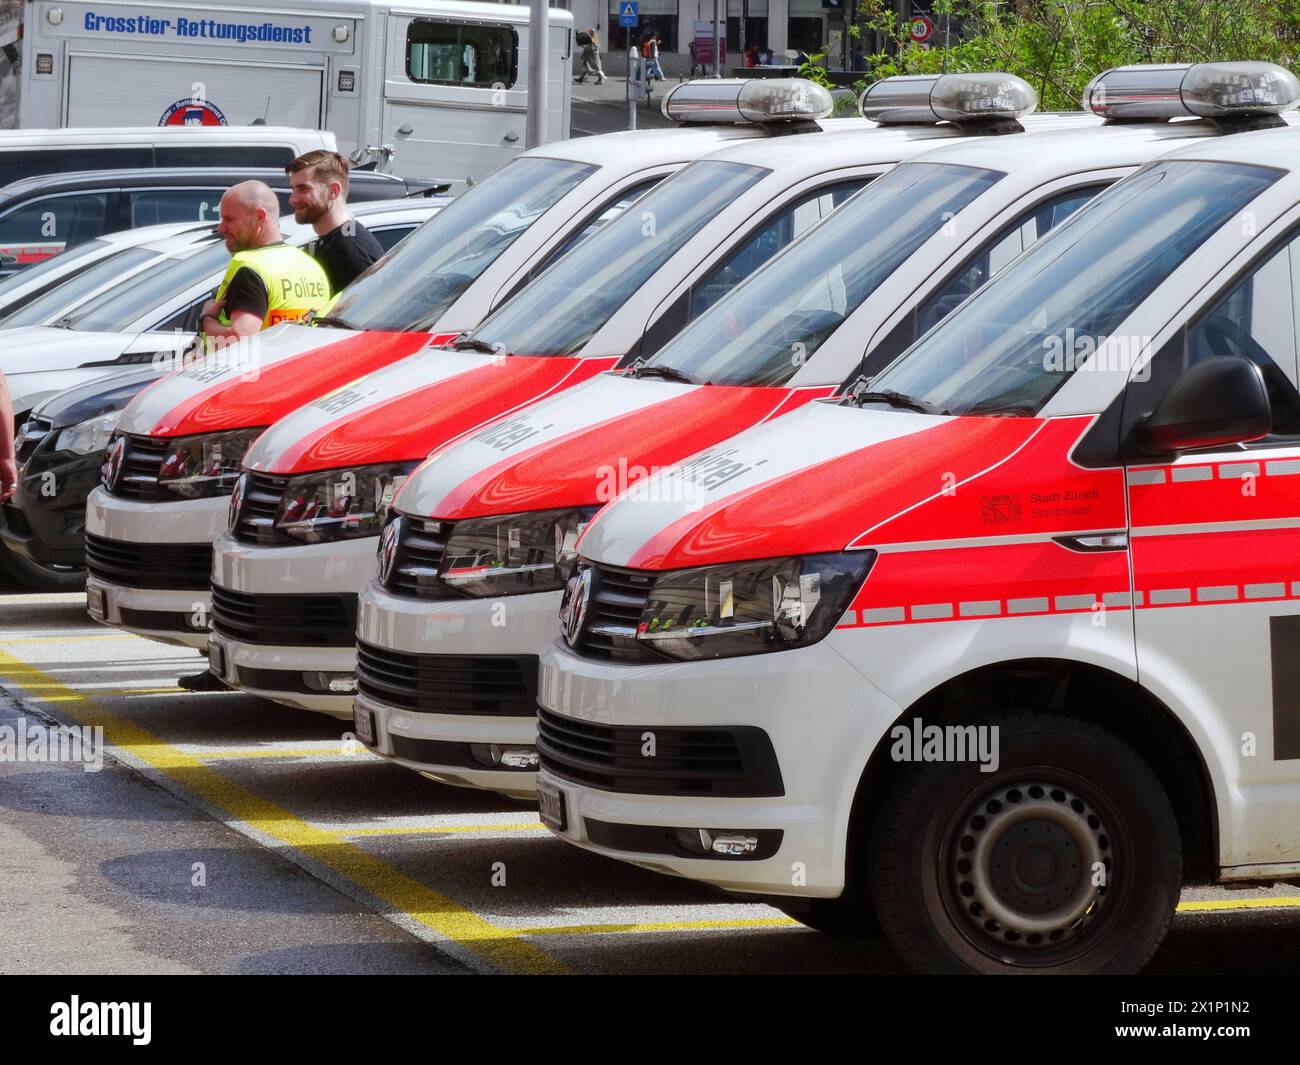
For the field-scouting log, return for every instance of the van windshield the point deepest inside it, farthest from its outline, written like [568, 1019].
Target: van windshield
[1007, 349]
[428, 271]
[51, 305]
[764, 330]
[150, 289]
[560, 311]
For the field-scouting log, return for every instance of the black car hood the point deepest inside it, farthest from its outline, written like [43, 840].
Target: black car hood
[96, 397]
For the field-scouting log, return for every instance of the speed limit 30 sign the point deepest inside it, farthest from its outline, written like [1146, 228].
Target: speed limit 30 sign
[921, 29]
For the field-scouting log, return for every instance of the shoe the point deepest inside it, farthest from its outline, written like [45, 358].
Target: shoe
[207, 681]
[600, 80]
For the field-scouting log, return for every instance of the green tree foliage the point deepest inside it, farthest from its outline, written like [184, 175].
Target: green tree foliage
[1059, 45]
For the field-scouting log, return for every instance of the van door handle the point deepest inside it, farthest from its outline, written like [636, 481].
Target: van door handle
[406, 129]
[511, 137]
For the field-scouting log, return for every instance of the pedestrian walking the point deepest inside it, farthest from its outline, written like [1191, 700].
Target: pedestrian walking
[591, 58]
[653, 69]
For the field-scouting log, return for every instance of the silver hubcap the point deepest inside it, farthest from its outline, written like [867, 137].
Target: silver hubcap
[1029, 865]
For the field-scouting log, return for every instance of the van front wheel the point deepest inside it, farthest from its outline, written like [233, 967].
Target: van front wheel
[1065, 858]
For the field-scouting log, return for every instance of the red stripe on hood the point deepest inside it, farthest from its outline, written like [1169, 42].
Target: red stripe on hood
[415, 423]
[823, 507]
[285, 385]
[592, 464]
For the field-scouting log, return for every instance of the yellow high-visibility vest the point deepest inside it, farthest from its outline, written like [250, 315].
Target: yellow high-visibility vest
[295, 283]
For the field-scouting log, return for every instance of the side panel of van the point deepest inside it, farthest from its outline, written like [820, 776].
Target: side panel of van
[101, 92]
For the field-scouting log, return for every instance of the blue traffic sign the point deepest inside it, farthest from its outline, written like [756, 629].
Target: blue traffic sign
[627, 15]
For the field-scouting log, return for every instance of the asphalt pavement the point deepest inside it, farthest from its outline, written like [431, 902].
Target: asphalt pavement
[227, 834]
[604, 108]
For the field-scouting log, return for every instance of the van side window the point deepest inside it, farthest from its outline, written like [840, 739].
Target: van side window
[151, 207]
[994, 257]
[1256, 318]
[781, 229]
[35, 162]
[55, 221]
[457, 53]
[277, 156]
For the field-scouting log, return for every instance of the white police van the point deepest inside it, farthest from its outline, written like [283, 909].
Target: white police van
[438, 86]
[1001, 647]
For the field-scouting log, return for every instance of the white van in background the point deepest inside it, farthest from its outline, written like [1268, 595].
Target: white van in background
[439, 87]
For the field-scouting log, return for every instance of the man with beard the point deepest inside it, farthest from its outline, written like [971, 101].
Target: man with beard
[318, 183]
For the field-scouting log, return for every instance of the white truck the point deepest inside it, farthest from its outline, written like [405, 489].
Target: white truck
[434, 89]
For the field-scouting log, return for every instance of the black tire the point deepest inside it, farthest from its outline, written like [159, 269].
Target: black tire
[834, 917]
[35, 577]
[975, 872]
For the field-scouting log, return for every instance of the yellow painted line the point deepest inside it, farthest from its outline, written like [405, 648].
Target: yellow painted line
[414, 830]
[1277, 902]
[503, 948]
[283, 752]
[659, 926]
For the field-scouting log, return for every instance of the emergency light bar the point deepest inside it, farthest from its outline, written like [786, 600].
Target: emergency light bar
[924, 99]
[749, 100]
[1220, 91]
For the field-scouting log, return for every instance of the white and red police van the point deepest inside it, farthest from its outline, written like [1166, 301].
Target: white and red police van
[1001, 646]
[448, 646]
[150, 528]
[285, 578]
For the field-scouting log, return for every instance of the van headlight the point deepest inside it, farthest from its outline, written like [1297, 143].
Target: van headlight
[514, 554]
[90, 436]
[748, 608]
[340, 504]
[198, 467]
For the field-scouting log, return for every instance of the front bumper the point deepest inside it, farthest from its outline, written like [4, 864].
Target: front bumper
[820, 716]
[430, 651]
[285, 619]
[131, 536]
[45, 521]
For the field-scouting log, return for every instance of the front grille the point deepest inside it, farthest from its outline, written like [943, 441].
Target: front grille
[152, 565]
[285, 620]
[499, 685]
[417, 560]
[258, 506]
[618, 599]
[736, 762]
[34, 432]
[137, 477]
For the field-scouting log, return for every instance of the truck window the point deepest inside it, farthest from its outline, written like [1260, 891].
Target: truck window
[36, 162]
[276, 155]
[151, 207]
[461, 53]
[56, 222]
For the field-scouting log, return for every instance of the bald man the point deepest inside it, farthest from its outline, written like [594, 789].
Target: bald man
[267, 281]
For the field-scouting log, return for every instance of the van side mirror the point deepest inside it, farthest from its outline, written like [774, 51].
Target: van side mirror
[1217, 401]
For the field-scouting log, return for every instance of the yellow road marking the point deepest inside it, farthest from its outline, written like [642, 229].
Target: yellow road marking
[1279, 902]
[503, 948]
[437, 829]
[659, 926]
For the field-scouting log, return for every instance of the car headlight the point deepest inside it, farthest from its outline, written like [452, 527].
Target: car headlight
[340, 504]
[90, 436]
[513, 554]
[197, 467]
[748, 608]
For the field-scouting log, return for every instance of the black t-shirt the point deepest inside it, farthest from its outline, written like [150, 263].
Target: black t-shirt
[344, 252]
[246, 292]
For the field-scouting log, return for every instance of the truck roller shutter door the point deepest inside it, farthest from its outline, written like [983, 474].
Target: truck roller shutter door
[136, 91]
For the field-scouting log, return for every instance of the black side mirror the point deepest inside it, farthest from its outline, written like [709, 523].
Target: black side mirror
[1215, 402]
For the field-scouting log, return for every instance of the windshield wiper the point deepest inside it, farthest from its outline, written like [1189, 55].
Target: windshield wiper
[328, 319]
[470, 344]
[894, 399]
[663, 373]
